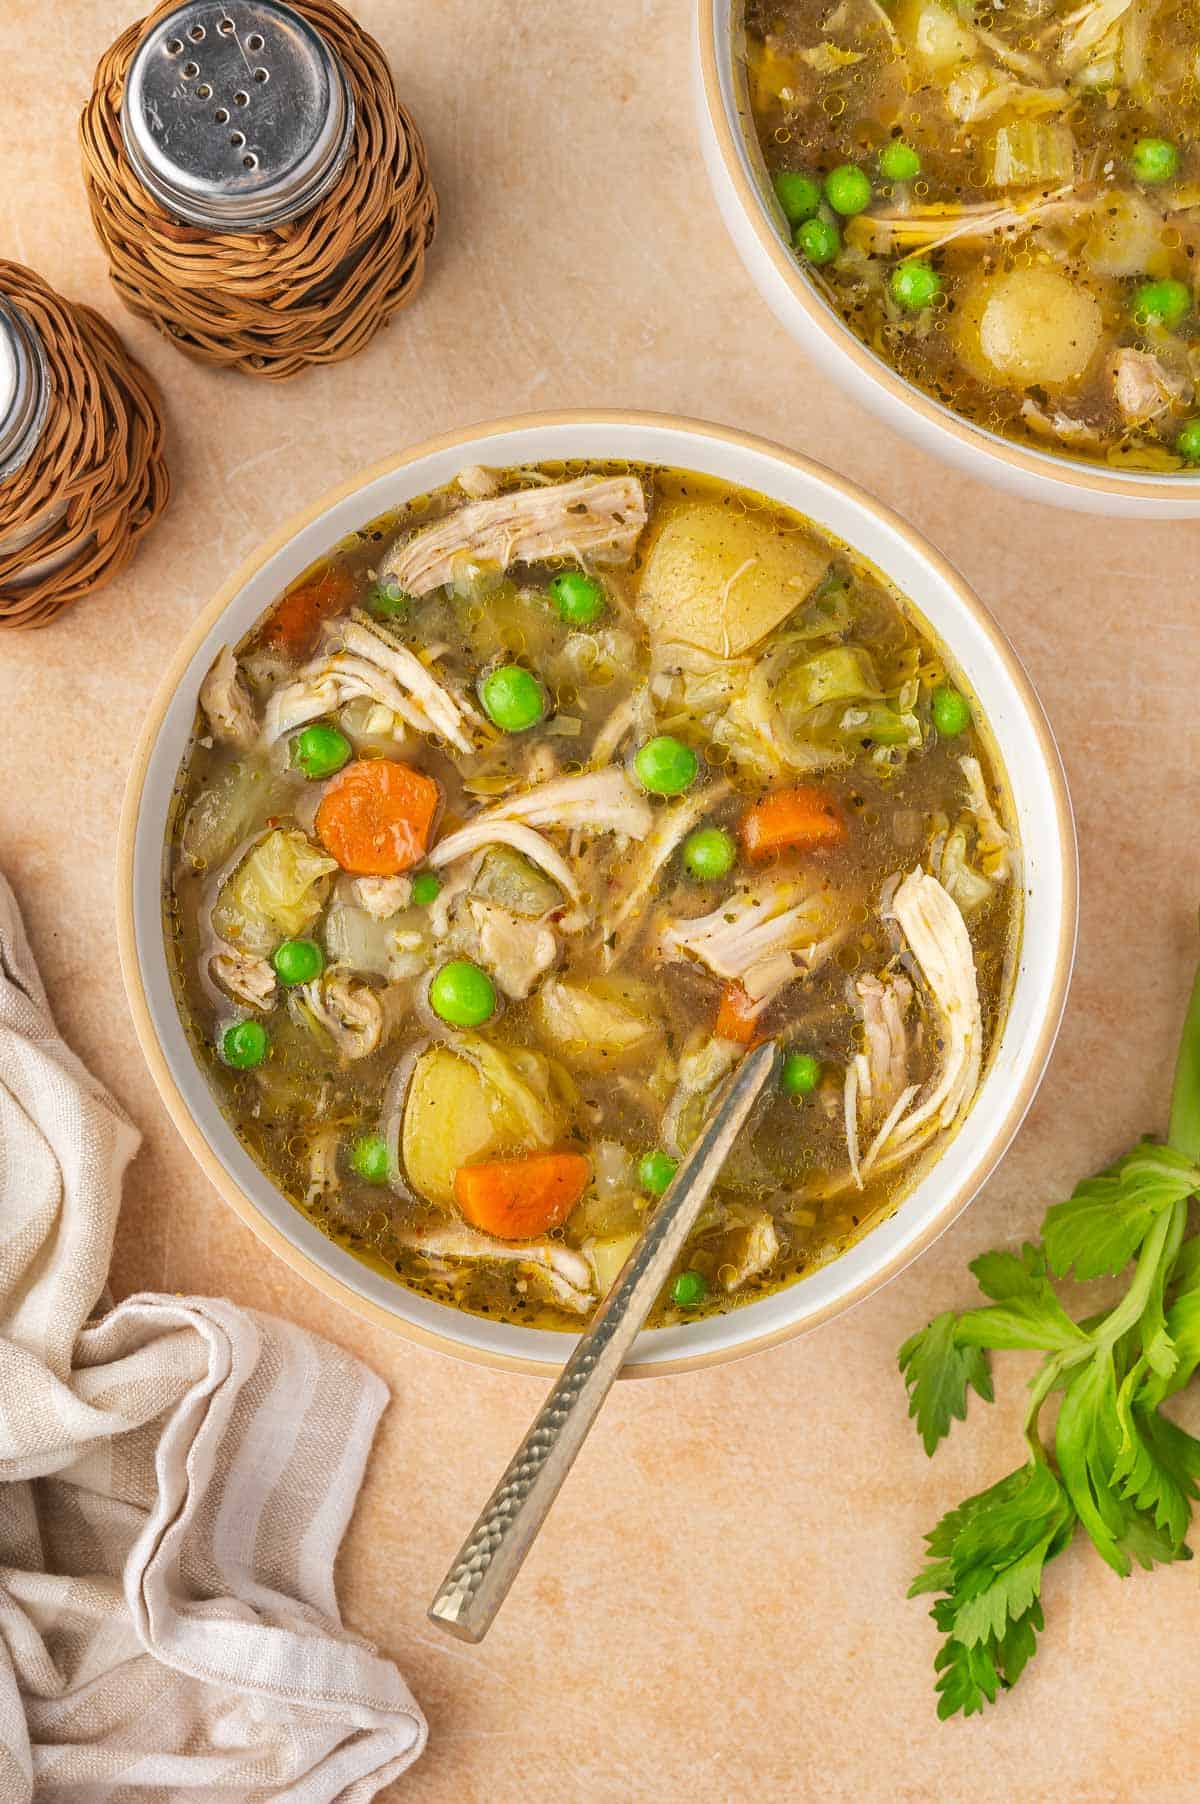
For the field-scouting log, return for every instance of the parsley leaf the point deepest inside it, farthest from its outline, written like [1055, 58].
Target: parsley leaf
[937, 1373]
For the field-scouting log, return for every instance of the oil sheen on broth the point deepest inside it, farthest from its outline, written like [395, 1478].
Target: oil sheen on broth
[516, 820]
[1003, 202]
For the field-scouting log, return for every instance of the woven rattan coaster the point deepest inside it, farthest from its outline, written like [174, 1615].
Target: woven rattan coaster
[95, 480]
[312, 290]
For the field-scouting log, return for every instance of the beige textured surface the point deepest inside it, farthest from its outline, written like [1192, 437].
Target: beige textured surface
[716, 1607]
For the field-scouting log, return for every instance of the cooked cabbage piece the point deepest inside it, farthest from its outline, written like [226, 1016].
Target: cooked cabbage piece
[276, 892]
[602, 1023]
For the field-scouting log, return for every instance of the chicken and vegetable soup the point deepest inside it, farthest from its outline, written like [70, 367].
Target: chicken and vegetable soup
[516, 821]
[1003, 202]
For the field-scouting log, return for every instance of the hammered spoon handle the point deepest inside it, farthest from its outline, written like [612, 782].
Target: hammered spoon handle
[479, 1579]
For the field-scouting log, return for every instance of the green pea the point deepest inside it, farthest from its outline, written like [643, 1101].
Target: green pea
[513, 698]
[462, 995]
[817, 240]
[579, 599]
[387, 602]
[665, 766]
[655, 1171]
[899, 162]
[847, 189]
[1188, 442]
[244, 1044]
[426, 888]
[800, 1075]
[689, 1290]
[951, 711]
[298, 961]
[1166, 303]
[708, 853]
[319, 751]
[798, 195]
[369, 1158]
[1154, 160]
[914, 286]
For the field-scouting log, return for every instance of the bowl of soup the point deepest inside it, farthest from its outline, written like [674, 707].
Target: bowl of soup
[500, 802]
[982, 222]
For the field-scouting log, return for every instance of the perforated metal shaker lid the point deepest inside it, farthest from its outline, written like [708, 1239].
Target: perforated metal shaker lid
[24, 388]
[236, 116]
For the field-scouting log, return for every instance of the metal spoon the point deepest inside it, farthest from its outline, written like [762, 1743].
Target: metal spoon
[477, 1583]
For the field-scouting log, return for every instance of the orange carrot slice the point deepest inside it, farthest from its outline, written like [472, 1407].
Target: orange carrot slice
[516, 1199]
[797, 819]
[375, 817]
[295, 623]
[737, 1017]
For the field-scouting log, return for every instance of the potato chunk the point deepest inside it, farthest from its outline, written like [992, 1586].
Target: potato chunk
[722, 580]
[601, 1024]
[1027, 327]
[449, 1120]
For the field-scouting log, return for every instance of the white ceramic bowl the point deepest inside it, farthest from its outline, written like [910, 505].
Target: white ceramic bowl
[748, 207]
[987, 667]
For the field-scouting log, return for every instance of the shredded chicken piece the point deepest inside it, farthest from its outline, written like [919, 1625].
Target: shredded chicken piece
[226, 703]
[487, 830]
[322, 1165]
[1085, 28]
[701, 1069]
[361, 660]
[247, 979]
[594, 801]
[383, 896]
[515, 950]
[1143, 388]
[637, 877]
[1018, 60]
[351, 1011]
[477, 482]
[762, 937]
[614, 730]
[994, 841]
[850, 1111]
[457, 1241]
[454, 886]
[1059, 425]
[602, 801]
[916, 231]
[594, 518]
[936, 935]
[746, 1250]
[883, 1062]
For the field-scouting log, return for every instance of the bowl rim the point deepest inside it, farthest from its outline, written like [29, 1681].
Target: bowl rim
[730, 134]
[328, 1282]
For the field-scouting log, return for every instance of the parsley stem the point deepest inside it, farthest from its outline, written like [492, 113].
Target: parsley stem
[1184, 1130]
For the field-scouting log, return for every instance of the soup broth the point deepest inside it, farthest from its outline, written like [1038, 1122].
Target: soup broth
[520, 817]
[1003, 202]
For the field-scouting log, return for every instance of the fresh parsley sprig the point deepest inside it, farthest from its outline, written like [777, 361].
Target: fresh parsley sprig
[1112, 1463]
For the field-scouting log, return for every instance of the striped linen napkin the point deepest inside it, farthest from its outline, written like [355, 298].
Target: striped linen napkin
[175, 1477]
